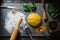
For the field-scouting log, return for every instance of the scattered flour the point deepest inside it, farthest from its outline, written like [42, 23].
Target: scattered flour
[12, 19]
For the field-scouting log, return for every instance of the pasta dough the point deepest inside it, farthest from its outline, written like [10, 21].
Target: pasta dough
[34, 19]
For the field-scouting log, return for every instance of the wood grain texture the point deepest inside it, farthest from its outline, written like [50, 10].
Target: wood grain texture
[16, 30]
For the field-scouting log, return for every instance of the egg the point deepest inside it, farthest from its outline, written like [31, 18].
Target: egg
[41, 29]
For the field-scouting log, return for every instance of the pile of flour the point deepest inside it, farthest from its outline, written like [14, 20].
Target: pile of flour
[12, 19]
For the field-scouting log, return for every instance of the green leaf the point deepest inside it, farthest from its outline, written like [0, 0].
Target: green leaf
[29, 7]
[55, 15]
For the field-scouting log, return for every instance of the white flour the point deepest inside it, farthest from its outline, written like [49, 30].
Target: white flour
[12, 19]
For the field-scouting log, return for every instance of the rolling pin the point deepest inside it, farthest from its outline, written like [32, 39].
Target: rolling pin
[16, 30]
[44, 10]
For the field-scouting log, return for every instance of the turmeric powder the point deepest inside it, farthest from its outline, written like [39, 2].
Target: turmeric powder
[43, 28]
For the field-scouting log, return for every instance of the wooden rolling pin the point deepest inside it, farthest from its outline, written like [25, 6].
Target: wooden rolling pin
[44, 10]
[16, 30]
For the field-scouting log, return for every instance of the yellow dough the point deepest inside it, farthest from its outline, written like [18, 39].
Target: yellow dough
[34, 19]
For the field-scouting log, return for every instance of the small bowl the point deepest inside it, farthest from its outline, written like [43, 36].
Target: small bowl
[49, 29]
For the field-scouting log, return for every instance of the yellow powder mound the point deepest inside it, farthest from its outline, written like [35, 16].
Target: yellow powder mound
[42, 28]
